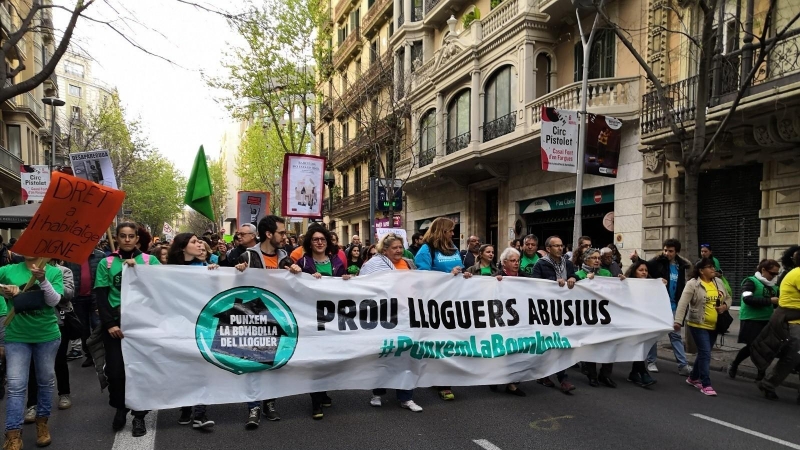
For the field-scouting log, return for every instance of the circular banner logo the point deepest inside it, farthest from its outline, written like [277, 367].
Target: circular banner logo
[246, 329]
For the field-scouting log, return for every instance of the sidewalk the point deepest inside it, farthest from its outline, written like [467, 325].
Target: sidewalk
[723, 353]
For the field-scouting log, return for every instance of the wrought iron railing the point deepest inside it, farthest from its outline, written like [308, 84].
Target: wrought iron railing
[499, 127]
[348, 46]
[374, 14]
[9, 161]
[351, 202]
[457, 143]
[681, 99]
[426, 156]
[416, 13]
[400, 19]
[430, 4]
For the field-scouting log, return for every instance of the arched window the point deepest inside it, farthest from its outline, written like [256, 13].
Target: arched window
[458, 131]
[500, 117]
[427, 138]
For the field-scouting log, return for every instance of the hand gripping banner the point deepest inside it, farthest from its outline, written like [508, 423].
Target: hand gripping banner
[194, 336]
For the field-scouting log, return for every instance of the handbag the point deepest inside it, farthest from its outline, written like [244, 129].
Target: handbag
[72, 328]
[29, 301]
[724, 321]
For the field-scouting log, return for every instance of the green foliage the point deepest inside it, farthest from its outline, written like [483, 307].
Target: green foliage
[259, 162]
[471, 16]
[495, 4]
[154, 191]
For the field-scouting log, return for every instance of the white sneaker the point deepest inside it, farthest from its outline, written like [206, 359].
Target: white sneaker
[410, 405]
[651, 367]
[376, 400]
[685, 370]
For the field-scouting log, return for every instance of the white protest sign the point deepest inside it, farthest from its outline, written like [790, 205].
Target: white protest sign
[559, 140]
[194, 336]
[95, 166]
[381, 232]
[34, 181]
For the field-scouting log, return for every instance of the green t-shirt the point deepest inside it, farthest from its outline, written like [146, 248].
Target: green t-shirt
[487, 271]
[325, 268]
[352, 270]
[526, 264]
[37, 326]
[581, 274]
[112, 278]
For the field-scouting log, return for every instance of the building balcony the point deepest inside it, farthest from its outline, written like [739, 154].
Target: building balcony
[436, 12]
[459, 142]
[361, 145]
[616, 97]
[342, 8]
[379, 75]
[352, 204]
[348, 48]
[9, 163]
[500, 127]
[377, 14]
[326, 110]
[33, 105]
[426, 157]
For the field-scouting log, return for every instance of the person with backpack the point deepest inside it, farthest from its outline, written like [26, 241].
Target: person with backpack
[760, 296]
[32, 334]
[107, 289]
[438, 253]
[268, 254]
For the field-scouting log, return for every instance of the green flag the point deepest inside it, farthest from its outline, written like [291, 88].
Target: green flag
[198, 191]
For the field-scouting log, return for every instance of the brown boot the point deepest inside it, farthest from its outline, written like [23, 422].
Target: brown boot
[13, 440]
[42, 433]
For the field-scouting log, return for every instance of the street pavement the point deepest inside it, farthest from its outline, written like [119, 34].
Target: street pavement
[669, 415]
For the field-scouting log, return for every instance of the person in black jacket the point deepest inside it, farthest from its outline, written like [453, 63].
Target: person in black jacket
[246, 235]
[671, 269]
[84, 302]
[555, 267]
[269, 254]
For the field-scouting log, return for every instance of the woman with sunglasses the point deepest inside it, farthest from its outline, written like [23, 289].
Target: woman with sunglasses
[321, 259]
[760, 294]
[703, 299]
[370, 252]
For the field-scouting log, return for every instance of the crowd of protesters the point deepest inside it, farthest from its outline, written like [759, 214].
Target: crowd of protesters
[81, 303]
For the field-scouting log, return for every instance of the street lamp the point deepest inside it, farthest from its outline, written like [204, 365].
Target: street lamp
[53, 102]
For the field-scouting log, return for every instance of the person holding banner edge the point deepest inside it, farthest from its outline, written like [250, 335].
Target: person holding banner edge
[107, 291]
[320, 259]
[269, 254]
[390, 257]
[438, 253]
[31, 334]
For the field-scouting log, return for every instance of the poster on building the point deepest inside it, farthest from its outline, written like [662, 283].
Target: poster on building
[94, 166]
[34, 181]
[251, 206]
[302, 186]
[385, 222]
[602, 145]
[559, 141]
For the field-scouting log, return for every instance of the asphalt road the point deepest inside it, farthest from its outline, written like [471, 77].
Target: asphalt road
[628, 417]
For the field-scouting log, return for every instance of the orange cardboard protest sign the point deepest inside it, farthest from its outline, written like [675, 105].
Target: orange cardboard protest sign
[73, 217]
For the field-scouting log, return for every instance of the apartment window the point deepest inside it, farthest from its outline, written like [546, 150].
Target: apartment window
[416, 10]
[344, 81]
[76, 113]
[601, 57]
[321, 144]
[374, 51]
[373, 168]
[427, 131]
[330, 137]
[73, 68]
[358, 68]
[391, 26]
[345, 133]
[357, 180]
[77, 135]
[499, 92]
[345, 185]
[74, 91]
[458, 126]
[390, 158]
[14, 137]
[355, 20]
[416, 54]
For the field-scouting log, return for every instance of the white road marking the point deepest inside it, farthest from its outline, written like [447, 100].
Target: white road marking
[124, 441]
[486, 444]
[750, 432]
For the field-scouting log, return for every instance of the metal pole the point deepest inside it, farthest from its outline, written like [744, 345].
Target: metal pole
[582, 131]
[52, 137]
[372, 195]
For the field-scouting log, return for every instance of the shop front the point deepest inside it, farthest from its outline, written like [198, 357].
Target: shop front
[554, 215]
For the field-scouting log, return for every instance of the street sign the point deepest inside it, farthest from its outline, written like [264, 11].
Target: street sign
[384, 204]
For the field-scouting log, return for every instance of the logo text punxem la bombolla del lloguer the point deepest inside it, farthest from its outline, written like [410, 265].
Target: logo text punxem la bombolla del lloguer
[246, 329]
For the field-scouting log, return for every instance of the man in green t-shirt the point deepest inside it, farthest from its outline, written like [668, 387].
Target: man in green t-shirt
[530, 246]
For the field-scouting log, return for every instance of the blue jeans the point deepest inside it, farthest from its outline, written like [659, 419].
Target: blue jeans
[18, 361]
[403, 395]
[704, 340]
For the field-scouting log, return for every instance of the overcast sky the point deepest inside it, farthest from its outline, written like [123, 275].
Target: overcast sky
[178, 110]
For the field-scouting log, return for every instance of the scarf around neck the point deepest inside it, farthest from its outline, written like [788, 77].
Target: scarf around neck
[766, 282]
[560, 267]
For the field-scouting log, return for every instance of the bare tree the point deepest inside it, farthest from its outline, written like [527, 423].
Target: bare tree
[718, 70]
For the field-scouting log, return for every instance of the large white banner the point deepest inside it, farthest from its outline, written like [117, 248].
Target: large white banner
[194, 336]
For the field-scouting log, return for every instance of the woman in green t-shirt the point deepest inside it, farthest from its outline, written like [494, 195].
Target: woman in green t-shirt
[31, 334]
[485, 265]
[354, 261]
[107, 292]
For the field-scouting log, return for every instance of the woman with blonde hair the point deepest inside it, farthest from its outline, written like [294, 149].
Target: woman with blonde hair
[438, 253]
